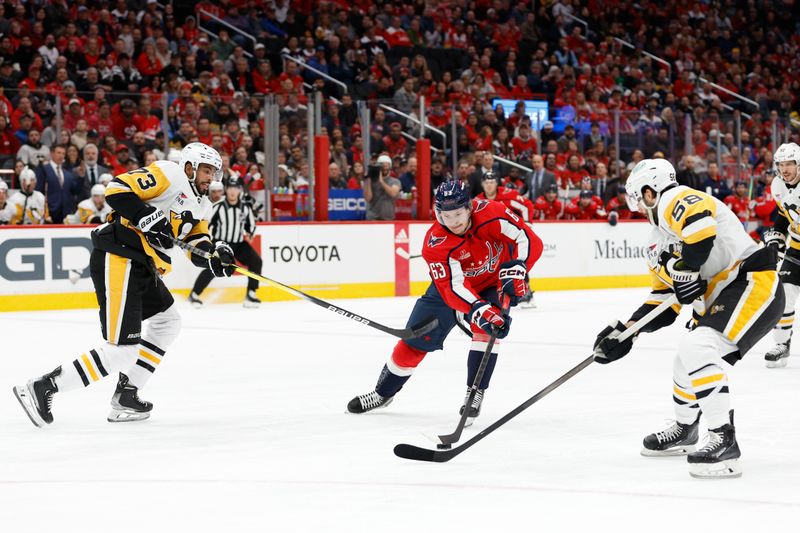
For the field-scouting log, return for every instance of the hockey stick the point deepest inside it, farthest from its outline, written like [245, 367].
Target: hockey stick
[405, 333]
[453, 437]
[408, 451]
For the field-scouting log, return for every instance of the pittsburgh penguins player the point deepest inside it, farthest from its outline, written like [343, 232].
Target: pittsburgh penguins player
[151, 206]
[787, 196]
[700, 252]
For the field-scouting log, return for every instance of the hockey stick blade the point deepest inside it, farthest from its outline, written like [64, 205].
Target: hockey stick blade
[415, 453]
[404, 333]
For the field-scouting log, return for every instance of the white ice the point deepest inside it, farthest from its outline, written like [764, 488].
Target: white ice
[249, 431]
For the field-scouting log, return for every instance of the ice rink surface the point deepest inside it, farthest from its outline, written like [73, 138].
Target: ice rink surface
[249, 431]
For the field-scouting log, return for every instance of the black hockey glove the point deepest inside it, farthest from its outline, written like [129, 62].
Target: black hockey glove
[775, 238]
[154, 225]
[512, 280]
[607, 348]
[488, 317]
[222, 261]
[687, 284]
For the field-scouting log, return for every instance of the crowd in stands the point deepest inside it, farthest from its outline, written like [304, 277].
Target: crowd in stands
[117, 84]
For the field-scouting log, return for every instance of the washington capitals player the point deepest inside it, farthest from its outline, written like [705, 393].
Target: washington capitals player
[787, 196]
[700, 252]
[151, 206]
[475, 251]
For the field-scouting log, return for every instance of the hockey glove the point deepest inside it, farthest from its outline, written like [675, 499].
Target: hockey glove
[608, 348]
[512, 280]
[775, 238]
[490, 318]
[222, 261]
[687, 284]
[154, 225]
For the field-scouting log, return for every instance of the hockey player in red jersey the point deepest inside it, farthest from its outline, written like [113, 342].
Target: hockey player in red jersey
[509, 197]
[548, 206]
[619, 205]
[585, 208]
[476, 250]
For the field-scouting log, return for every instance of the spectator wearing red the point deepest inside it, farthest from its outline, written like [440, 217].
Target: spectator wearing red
[510, 197]
[145, 121]
[123, 116]
[9, 144]
[73, 115]
[101, 121]
[395, 35]
[24, 109]
[264, 79]
[521, 90]
[585, 208]
[738, 202]
[394, 143]
[548, 206]
[148, 63]
[573, 174]
[765, 208]
[524, 144]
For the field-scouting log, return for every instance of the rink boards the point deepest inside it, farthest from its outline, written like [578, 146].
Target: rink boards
[47, 267]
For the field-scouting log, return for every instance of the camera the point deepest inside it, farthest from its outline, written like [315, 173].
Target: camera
[374, 172]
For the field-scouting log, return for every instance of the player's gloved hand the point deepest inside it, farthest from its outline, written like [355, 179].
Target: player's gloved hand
[155, 226]
[775, 238]
[608, 348]
[222, 261]
[687, 283]
[512, 280]
[488, 317]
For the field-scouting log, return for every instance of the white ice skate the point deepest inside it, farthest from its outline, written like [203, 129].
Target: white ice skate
[777, 357]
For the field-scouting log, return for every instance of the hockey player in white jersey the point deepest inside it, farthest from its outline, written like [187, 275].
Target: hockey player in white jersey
[787, 195]
[29, 205]
[93, 210]
[700, 252]
[152, 205]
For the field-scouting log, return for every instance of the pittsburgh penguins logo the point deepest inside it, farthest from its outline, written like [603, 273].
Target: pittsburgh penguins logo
[183, 223]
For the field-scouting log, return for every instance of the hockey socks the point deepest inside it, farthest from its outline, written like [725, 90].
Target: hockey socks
[479, 343]
[94, 365]
[398, 369]
[148, 358]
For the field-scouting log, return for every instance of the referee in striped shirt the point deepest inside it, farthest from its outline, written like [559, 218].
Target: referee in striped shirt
[231, 220]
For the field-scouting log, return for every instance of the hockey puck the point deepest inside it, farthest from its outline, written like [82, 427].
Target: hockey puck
[444, 446]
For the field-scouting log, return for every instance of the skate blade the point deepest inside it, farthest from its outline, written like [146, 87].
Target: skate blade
[677, 451]
[22, 392]
[385, 404]
[117, 415]
[251, 305]
[780, 363]
[197, 306]
[721, 470]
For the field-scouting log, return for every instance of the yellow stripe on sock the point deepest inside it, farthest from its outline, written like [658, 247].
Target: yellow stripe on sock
[684, 395]
[89, 367]
[707, 379]
[151, 358]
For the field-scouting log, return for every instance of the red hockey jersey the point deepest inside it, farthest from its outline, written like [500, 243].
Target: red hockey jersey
[463, 266]
[739, 206]
[547, 211]
[512, 199]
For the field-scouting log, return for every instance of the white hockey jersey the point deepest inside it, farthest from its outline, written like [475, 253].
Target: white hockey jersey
[687, 216]
[28, 208]
[7, 212]
[164, 185]
[88, 213]
[788, 201]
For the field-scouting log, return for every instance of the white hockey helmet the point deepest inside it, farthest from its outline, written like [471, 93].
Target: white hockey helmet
[105, 178]
[655, 174]
[215, 186]
[98, 190]
[197, 153]
[788, 152]
[27, 175]
[3, 185]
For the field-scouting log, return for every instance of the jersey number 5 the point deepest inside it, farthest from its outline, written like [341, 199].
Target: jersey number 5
[437, 271]
[680, 209]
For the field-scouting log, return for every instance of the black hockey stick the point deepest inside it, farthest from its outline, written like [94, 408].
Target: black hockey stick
[405, 333]
[453, 437]
[408, 451]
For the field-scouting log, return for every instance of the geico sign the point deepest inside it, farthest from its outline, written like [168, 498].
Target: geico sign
[309, 253]
[347, 204]
[31, 254]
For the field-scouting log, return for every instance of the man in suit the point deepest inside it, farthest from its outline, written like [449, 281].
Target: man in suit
[486, 164]
[540, 179]
[59, 185]
[90, 170]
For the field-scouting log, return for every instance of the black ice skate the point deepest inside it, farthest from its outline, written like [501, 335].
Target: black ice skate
[474, 408]
[678, 439]
[195, 300]
[251, 301]
[527, 301]
[36, 397]
[719, 457]
[778, 356]
[126, 405]
[367, 402]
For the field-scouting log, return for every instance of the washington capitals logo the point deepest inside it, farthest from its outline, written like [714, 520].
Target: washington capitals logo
[433, 240]
[481, 205]
[491, 262]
